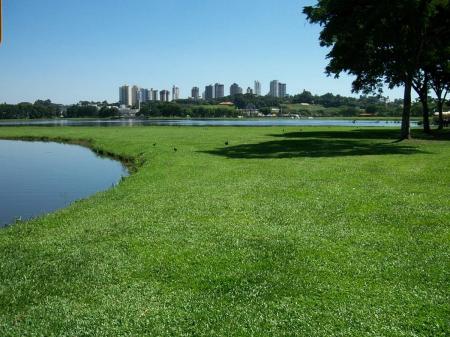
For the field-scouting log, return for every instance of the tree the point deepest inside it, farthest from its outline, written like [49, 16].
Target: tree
[304, 97]
[438, 56]
[378, 42]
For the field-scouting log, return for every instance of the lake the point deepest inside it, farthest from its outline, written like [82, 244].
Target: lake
[40, 177]
[207, 122]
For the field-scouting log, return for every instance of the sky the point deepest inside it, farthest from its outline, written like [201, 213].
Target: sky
[72, 50]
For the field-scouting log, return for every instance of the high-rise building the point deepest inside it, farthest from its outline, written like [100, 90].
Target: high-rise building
[274, 88]
[219, 90]
[209, 92]
[257, 91]
[154, 95]
[144, 95]
[282, 90]
[175, 93]
[235, 89]
[125, 95]
[134, 95]
[195, 93]
[164, 95]
[249, 91]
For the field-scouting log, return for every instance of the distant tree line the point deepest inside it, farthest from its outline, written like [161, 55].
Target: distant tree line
[47, 109]
[91, 111]
[185, 108]
[38, 109]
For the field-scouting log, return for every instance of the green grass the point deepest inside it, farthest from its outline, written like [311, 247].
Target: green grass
[285, 231]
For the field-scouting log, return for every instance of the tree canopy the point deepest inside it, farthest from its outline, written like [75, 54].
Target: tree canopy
[382, 42]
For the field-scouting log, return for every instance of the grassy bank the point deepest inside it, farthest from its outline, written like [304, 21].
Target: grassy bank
[284, 231]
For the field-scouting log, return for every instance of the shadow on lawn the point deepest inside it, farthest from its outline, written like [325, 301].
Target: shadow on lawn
[321, 144]
[366, 134]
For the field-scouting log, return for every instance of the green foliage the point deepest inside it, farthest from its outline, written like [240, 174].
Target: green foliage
[77, 111]
[107, 112]
[40, 109]
[184, 109]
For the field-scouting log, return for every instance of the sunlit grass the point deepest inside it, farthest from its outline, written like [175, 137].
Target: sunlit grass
[284, 231]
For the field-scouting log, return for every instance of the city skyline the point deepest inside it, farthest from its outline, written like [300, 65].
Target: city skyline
[132, 95]
[67, 41]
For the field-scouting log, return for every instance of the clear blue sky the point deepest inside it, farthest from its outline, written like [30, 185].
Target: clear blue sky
[71, 50]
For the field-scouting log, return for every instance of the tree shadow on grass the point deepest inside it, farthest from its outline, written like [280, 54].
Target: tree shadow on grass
[392, 134]
[312, 148]
[322, 144]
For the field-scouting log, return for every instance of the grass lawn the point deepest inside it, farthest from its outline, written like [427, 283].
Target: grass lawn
[285, 231]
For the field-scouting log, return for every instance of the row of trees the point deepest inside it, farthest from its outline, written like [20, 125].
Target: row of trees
[184, 109]
[38, 109]
[91, 111]
[394, 43]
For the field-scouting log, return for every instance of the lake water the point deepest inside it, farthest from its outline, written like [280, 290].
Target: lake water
[208, 122]
[39, 177]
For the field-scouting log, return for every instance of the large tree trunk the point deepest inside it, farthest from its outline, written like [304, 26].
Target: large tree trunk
[426, 114]
[440, 106]
[406, 117]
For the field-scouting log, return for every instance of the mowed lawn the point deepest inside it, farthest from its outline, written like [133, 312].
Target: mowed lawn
[282, 232]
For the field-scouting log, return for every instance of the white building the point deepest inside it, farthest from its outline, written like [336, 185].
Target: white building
[125, 95]
[257, 91]
[274, 88]
[134, 95]
[175, 93]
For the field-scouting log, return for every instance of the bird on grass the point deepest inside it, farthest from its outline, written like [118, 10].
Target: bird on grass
[154, 144]
[226, 143]
[175, 149]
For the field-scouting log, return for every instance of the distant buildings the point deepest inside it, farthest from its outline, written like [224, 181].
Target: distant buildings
[219, 90]
[277, 89]
[164, 95]
[134, 95]
[154, 95]
[235, 89]
[274, 88]
[175, 93]
[144, 95]
[282, 90]
[257, 91]
[209, 92]
[195, 93]
[125, 95]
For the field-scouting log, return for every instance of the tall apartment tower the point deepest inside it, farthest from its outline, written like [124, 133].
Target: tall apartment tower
[125, 95]
[274, 88]
[154, 95]
[175, 93]
[235, 89]
[282, 90]
[219, 90]
[144, 95]
[164, 95]
[134, 95]
[257, 91]
[209, 92]
[195, 93]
